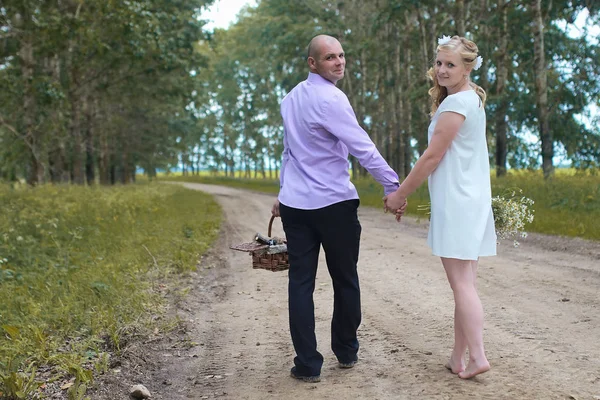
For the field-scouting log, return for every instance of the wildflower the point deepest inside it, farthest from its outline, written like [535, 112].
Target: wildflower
[511, 213]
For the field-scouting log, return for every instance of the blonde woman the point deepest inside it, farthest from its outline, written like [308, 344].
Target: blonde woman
[456, 162]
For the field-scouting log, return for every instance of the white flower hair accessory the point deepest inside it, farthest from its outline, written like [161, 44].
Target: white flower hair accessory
[443, 40]
[479, 61]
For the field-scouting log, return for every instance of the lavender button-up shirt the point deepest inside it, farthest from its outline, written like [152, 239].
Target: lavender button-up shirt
[320, 128]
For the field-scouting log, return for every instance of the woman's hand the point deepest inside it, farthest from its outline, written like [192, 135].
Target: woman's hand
[395, 203]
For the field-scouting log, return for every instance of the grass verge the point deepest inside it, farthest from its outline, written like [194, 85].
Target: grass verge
[567, 204]
[79, 268]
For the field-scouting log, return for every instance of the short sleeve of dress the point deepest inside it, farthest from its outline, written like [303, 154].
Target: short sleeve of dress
[453, 104]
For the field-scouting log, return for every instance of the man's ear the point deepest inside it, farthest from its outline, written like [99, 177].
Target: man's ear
[311, 62]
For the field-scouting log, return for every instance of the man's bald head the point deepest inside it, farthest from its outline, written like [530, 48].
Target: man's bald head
[326, 57]
[317, 43]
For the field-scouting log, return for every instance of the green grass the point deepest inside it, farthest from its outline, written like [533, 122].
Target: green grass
[79, 268]
[260, 185]
[567, 204]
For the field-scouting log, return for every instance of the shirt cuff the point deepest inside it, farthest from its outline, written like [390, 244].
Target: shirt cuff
[388, 189]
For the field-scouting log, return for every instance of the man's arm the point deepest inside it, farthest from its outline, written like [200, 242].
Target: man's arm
[285, 156]
[341, 122]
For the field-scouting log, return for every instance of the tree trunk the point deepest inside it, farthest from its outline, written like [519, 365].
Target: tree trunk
[104, 159]
[363, 101]
[151, 172]
[502, 76]
[59, 170]
[198, 163]
[399, 112]
[77, 141]
[57, 153]
[460, 17]
[407, 106]
[113, 173]
[484, 46]
[90, 172]
[36, 169]
[347, 87]
[126, 161]
[421, 137]
[390, 112]
[541, 89]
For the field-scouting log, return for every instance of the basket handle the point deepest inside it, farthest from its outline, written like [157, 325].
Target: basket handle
[270, 225]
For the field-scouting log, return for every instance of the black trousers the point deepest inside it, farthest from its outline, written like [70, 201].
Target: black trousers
[337, 229]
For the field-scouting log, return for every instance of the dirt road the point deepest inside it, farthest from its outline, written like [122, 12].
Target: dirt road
[541, 301]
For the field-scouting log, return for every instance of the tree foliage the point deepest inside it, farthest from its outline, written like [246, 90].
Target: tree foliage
[93, 91]
[95, 88]
[389, 46]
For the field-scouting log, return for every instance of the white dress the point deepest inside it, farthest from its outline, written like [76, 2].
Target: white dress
[462, 223]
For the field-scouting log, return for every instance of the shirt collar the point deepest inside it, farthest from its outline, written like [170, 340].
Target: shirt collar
[318, 79]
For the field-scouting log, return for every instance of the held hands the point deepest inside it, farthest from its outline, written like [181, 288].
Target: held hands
[395, 203]
[275, 209]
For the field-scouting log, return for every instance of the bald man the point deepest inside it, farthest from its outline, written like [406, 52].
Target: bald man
[318, 204]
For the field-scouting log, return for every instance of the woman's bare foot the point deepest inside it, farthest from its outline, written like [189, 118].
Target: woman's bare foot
[474, 368]
[455, 366]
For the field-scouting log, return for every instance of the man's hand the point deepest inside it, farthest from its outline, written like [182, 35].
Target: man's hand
[275, 209]
[395, 203]
[400, 211]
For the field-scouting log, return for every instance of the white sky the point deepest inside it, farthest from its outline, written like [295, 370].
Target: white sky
[576, 29]
[224, 12]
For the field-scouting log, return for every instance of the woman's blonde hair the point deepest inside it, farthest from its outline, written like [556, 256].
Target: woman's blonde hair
[468, 53]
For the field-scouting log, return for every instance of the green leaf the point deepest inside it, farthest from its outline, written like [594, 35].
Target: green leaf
[13, 331]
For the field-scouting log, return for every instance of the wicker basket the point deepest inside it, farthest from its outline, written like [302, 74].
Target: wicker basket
[261, 257]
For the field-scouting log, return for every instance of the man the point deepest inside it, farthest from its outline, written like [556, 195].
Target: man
[318, 204]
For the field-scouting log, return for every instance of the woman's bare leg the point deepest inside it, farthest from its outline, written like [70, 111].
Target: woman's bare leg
[468, 318]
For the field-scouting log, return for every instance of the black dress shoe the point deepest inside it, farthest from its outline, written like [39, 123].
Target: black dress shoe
[306, 378]
[349, 364]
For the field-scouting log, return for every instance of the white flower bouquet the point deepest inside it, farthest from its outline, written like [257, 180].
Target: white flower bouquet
[512, 211]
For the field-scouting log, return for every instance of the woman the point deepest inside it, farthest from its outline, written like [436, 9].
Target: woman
[456, 162]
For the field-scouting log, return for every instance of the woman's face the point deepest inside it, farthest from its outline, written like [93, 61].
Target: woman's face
[450, 70]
